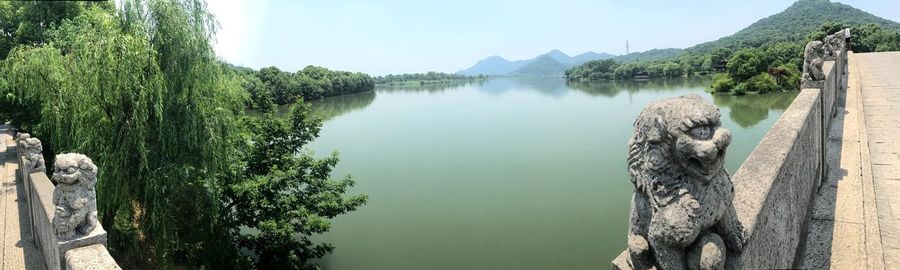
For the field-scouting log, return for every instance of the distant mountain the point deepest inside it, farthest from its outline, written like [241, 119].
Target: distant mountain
[794, 24]
[589, 56]
[542, 65]
[494, 65]
[654, 54]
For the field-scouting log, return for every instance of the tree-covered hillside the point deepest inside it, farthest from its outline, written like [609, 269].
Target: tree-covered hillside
[650, 55]
[764, 57]
[794, 24]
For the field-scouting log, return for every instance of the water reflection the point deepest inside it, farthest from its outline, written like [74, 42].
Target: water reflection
[749, 110]
[613, 88]
[746, 111]
[427, 88]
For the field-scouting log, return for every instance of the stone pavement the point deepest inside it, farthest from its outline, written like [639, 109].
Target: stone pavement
[879, 76]
[856, 218]
[17, 249]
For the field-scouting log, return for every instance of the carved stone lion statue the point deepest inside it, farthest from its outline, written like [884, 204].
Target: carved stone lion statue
[74, 196]
[32, 150]
[813, 56]
[833, 45]
[682, 214]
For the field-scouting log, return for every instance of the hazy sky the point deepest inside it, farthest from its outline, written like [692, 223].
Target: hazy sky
[408, 36]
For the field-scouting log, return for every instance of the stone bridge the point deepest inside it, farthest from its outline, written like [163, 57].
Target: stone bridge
[822, 188]
[37, 218]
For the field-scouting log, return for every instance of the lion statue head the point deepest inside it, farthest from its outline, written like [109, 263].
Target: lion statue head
[74, 170]
[676, 140]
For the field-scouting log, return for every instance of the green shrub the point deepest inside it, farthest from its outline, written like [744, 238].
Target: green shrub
[739, 89]
[762, 83]
[722, 83]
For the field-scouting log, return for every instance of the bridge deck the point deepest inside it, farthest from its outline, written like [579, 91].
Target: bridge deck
[879, 77]
[856, 218]
[17, 249]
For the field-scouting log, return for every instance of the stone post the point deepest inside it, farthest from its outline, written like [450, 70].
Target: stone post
[74, 220]
[30, 156]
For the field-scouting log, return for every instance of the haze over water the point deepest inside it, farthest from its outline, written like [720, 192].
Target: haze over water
[512, 173]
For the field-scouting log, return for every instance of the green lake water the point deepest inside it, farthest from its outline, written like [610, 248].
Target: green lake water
[511, 173]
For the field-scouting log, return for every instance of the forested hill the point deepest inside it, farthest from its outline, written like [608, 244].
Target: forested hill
[654, 54]
[794, 24]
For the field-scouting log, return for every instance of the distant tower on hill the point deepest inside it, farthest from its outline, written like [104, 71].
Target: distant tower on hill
[627, 50]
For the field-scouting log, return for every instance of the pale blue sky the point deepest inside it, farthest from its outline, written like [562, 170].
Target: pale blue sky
[408, 36]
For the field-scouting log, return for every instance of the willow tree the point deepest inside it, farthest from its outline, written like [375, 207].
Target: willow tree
[183, 172]
[142, 94]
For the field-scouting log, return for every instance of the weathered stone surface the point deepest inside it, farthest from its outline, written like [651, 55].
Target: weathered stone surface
[812, 65]
[32, 150]
[774, 187]
[90, 257]
[681, 212]
[834, 245]
[42, 213]
[833, 45]
[74, 196]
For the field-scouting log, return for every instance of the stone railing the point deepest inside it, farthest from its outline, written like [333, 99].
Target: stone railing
[684, 219]
[63, 217]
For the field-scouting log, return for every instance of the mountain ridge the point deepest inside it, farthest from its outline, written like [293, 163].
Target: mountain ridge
[554, 62]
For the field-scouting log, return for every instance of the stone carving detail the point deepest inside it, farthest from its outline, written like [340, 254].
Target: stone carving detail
[682, 214]
[74, 196]
[21, 136]
[833, 45]
[813, 58]
[32, 150]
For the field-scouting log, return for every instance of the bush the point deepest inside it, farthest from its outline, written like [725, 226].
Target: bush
[722, 83]
[762, 83]
[740, 89]
[787, 77]
[746, 63]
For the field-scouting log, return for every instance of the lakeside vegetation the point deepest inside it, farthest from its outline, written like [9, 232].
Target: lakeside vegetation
[430, 77]
[186, 179]
[765, 57]
[272, 86]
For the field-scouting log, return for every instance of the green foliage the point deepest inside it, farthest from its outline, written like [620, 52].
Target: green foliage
[425, 78]
[873, 38]
[650, 55]
[142, 93]
[745, 64]
[722, 83]
[825, 29]
[775, 41]
[593, 70]
[29, 22]
[740, 89]
[284, 195]
[762, 83]
[787, 76]
[795, 24]
[311, 82]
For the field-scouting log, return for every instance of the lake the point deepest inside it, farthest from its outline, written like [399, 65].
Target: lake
[510, 173]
